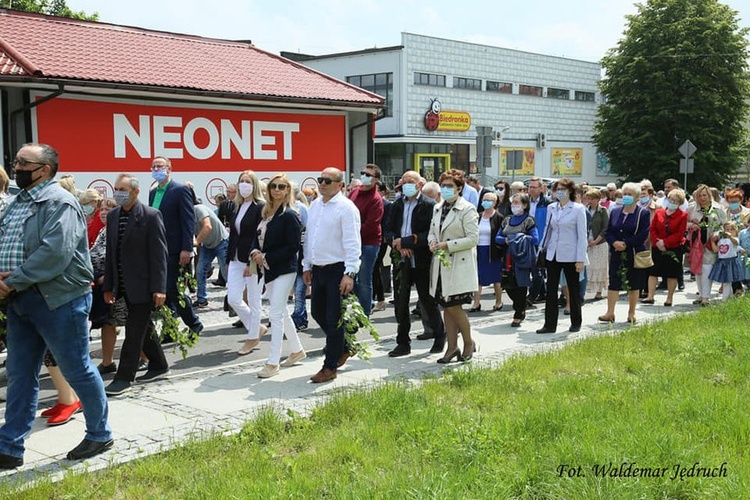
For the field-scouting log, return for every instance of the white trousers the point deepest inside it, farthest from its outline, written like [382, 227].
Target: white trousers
[249, 313]
[704, 283]
[281, 321]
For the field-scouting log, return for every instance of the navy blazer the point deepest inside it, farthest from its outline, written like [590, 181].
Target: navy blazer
[634, 231]
[241, 244]
[281, 244]
[421, 219]
[143, 255]
[179, 219]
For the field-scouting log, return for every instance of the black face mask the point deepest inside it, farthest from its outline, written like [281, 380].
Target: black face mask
[23, 177]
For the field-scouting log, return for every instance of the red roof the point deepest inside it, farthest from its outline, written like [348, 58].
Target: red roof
[39, 46]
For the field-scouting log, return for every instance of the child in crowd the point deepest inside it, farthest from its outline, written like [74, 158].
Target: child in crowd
[728, 268]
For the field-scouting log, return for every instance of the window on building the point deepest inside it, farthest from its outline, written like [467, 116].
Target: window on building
[502, 87]
[467, 83]
[584, 96]
[558, 93]
[530, 90]
[429, 79]
[380, 83]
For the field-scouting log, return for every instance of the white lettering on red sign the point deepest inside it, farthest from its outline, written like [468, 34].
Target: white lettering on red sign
[166, 136]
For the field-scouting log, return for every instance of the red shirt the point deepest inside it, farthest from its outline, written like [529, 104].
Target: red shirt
[370, 206]
[94, 226]
[677, 223]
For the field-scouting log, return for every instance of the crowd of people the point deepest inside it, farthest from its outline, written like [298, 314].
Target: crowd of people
[72, 261]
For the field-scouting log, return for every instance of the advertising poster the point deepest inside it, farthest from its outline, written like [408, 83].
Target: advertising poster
[602, 164]
[527, 167]
[567, 162]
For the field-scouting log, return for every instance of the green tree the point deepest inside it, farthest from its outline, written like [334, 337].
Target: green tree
[50, 7]
[680, 72]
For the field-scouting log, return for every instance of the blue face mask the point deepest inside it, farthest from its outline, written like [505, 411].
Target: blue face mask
[88, 209]
[734, 206]
[159, 175]
[409, 189]
[487, 204]
[627, 200]
[644, 200]
[671, 206]
[447, 193]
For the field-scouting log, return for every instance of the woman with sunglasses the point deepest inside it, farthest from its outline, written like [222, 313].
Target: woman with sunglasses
[455, 231]
[242, 273]
[275, 254]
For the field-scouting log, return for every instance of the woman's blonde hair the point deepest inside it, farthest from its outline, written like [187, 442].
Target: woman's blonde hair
[4, 180]
[257, 194]
[270, 208]
[90, 195]
[68, 183]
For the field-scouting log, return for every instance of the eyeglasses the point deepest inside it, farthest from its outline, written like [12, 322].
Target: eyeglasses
[326, 180]
[280, 186]
[23, 162]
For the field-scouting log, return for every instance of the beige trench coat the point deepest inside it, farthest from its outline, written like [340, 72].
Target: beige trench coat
[461, 231]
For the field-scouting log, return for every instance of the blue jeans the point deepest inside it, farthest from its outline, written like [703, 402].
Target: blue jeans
[363, 286]
[299, 316]
[205, 258]
[32, 328]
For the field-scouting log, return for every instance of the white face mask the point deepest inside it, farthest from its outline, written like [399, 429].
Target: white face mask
[245, 189]
[516, 209]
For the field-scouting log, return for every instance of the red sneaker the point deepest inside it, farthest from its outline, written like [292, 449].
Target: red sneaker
[65, 414]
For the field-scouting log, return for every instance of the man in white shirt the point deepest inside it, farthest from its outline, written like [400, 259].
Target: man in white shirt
[331, 261]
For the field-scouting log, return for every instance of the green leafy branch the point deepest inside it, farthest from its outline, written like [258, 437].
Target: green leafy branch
[622, 272]
[184, 281]
[167, 326]
[442, 257]
[670, 253]
[353, 319]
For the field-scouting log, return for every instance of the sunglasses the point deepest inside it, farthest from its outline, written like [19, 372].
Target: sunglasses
[280, 186]
[326, 180]
[23, 162]
[367, 174]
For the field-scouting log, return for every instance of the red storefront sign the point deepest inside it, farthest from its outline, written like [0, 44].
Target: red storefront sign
[118, 136]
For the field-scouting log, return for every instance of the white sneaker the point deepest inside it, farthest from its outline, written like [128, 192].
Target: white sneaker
[293, 359]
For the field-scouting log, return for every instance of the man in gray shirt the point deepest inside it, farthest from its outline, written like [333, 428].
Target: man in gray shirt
[211, 239]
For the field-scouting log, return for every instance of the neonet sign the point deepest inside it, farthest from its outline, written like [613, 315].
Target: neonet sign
[116, 136]
[438, 118]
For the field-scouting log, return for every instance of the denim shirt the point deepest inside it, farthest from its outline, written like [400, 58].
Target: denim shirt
[56, 248]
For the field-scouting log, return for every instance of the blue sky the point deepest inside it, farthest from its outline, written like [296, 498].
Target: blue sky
[579, 29]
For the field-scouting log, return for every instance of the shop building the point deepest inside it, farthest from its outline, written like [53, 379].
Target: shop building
[109, 98]
[439, 91]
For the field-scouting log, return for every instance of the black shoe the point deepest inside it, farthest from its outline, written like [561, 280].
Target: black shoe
[416, 312]
[220, 283]
[574, 329]
[425, 336]
[200, 304]
[400, 350]
[302, 327]
[117, 387]
[238, 324]
[544, 329]
[151, 375]
[110, 368]
[9, 461]
[88, 449]
[438, 346]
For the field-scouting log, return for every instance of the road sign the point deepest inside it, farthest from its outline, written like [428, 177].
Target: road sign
[687, 165]
[687, 149]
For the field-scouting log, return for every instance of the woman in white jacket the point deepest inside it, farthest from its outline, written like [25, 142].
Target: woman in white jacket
[455, 231]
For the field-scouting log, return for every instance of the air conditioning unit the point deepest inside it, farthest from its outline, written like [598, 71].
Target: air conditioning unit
[541, 140]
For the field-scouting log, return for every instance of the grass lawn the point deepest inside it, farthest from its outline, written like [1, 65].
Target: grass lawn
[658, 399]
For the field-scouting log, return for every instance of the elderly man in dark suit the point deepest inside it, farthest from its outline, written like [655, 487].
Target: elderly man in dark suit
[175, 202]
[409, 224]
[136, 269]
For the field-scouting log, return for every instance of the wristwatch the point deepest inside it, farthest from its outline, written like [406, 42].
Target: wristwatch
[351, 275]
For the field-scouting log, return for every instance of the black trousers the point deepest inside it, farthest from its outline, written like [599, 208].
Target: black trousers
[518, 296]
[551, 311]
[428, 307]
[380, 276]
[325, 307]
[139, 336]
[185, 312]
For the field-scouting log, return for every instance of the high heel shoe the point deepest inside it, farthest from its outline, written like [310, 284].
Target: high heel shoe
[447, 359]
[471, 354]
